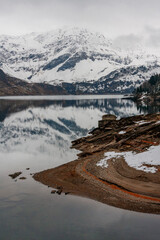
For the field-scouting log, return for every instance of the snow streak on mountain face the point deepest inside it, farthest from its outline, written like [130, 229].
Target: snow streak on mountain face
[76, 55]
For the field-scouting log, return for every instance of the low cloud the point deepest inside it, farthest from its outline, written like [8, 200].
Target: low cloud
[125, 42]
[153, 36]
[124, 18]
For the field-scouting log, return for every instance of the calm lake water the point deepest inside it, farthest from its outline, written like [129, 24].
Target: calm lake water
[36, 133]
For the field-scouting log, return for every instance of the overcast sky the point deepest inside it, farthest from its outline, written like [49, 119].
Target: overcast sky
[111, 17]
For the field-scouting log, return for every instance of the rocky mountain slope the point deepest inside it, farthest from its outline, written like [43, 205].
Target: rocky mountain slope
[83, 60]
[14, 87]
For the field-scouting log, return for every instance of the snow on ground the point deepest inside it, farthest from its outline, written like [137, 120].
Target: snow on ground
[141, 122]
[139, 161]
[122, 132]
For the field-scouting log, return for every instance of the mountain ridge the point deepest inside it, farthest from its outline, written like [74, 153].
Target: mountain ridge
[11, 86]
[75, 56]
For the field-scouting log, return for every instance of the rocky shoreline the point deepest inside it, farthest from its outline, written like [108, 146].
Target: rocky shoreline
[117, 183]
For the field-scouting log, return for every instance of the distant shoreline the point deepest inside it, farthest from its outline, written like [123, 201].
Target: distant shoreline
[63, 97]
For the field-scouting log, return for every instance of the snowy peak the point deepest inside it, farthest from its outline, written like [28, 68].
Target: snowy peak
[82, 38]
[30, 55]
[74, 55]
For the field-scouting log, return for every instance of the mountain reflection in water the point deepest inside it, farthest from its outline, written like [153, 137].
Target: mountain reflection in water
[48, 127]
[37, 135]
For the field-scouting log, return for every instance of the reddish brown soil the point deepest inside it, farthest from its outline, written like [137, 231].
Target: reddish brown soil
[118, 185]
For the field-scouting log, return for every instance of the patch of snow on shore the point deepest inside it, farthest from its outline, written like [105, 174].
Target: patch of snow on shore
[141, 122]
[137, 161]
[122, 132]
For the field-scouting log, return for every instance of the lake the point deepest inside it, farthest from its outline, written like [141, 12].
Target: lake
[36, 133]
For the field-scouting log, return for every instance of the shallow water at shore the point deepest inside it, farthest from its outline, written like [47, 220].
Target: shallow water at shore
[37, 134]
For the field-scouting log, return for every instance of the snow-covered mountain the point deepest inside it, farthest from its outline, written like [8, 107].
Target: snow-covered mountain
[81, 58]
